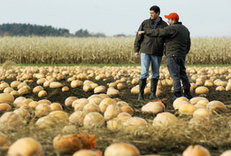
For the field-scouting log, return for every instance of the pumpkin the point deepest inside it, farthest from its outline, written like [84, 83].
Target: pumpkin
[112, 92]
[55, 85]
[18, 101]
[209, 83]
[114, 124]
[24, 90]
[56, 106]
[60, 116]
[11, 121]
[177, 103]
[24, 102]
[73, 142]
[164, 119]
[23, 112]
[228, 87]
[6, 98]
[226, 153]
[14, 93]
[3, 86]
[93, 119]
[100, 89]
[40, 81]
[46, 123]
[121, 149]
[111, 112]
[87, 88]
[91, 107]
[65, 89]
[37, 89]
[103, 95]
[122, 103]
[120, 86]
[220, 88]
[201, 90]
[68, 101]
[153, 107]
[135, 90]
[105, 103]
[135, 123]
[195, 100]
[76, 83]
[127, 109]
[187, 109]
[8, 90]
[33, 104]
[123, 116]
[42, 109]
[69, 129]
[44, 101]
[196, 150]
[80, 103]
[95, 99]
[30, 147]
[4, 107]
[86, 153]
[46, 83]
[4, 142]
[217, 106]
[77, 117]
[201, 113]
[42, 93]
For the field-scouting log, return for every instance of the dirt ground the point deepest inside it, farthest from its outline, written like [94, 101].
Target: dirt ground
[148, 143]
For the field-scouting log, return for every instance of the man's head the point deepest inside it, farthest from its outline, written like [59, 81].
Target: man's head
[172, 18]
[154, 12]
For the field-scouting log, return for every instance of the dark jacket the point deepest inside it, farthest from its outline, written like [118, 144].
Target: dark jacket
[147, 44]
[177, 38]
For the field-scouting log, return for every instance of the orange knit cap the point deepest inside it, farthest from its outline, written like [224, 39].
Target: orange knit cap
[173, 16]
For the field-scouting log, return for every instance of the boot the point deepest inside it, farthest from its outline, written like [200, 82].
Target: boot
[187, 93]
[154, 83]
[142, 84]
[176, 95]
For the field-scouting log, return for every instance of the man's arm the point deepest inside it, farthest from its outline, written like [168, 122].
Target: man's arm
[138, 40]
[165, 32]
[188, 43]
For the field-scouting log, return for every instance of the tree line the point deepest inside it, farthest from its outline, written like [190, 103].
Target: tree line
[16, 29]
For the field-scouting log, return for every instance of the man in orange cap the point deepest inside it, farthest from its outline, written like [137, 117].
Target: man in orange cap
[177, 39]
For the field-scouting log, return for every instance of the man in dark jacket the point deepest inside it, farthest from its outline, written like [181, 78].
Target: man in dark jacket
[151, 49]
[177, 39]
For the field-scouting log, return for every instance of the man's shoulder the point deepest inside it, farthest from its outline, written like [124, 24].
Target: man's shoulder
[181, 26]
[184, 26]
[163, 23]
[147, 20]
[171, 27]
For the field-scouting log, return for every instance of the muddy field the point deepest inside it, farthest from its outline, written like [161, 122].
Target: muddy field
[168, 142]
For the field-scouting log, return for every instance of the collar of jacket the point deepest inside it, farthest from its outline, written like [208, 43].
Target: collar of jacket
[160, 20]
[178, 23]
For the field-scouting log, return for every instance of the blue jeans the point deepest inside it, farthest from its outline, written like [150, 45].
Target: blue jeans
[177, 70]
[145, 62]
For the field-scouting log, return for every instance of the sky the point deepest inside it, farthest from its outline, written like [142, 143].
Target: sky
[204, 18]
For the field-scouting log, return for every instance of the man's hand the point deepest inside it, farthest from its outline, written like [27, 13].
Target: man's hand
[140, 32]
[137, 54]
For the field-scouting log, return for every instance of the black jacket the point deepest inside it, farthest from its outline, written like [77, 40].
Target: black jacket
[177, 38]
[147, 44]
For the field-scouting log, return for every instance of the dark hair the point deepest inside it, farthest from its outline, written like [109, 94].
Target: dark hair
[155, 8]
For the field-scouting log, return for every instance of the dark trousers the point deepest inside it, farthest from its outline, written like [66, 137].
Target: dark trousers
[177, 70]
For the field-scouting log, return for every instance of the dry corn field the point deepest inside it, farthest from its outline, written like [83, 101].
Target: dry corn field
[111, 50]
[94, 111]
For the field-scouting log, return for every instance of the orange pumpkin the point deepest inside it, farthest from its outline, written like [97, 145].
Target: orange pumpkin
[72, 143]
